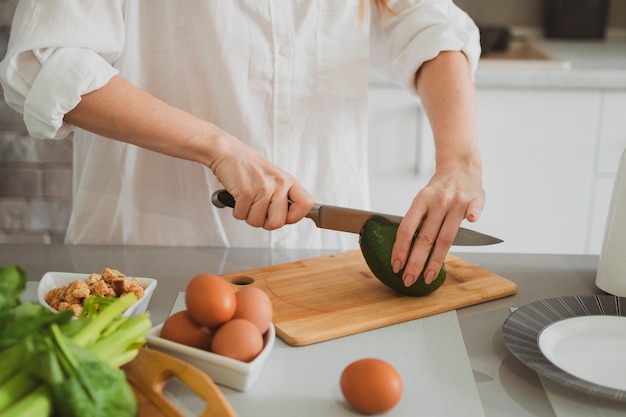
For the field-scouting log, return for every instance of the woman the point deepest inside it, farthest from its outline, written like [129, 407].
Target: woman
[270, 96]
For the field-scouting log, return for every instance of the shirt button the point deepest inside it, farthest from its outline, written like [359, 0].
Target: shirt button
[285, 51]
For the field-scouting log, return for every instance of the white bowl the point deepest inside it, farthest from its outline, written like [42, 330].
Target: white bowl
[52, 280]
[221, 369]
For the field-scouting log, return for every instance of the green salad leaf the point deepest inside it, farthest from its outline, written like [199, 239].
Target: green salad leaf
[12, 284]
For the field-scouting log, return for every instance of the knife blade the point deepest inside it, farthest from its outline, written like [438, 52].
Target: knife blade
[351, 220]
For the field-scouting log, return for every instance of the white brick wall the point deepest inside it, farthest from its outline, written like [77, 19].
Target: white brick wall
[35, 186]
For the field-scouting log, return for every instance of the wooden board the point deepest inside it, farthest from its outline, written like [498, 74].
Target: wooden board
[149, 372]
[332, 296]
[146, 408]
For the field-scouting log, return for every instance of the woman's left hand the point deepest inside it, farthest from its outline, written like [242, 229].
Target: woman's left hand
[453, 194]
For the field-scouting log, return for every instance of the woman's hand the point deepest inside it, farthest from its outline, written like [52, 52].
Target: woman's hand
[266, 195]
[453, 194]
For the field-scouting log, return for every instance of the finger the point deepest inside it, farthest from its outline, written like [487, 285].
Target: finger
[243, 204]
[424, 242]
[257, 215]
[301, 203]
[474, 209]
[277, 211]
[288, 207]
[445, 239]
[405, 235]
[251, 205]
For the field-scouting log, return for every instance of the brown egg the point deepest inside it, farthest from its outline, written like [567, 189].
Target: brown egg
[210, 300]
[371, 386]
[238, 339]
[254, 305]
[180, 328]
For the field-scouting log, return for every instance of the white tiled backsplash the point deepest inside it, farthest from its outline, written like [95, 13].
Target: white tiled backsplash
[36, 175]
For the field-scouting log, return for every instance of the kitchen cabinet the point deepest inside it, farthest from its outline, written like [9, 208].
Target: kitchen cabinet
[538, 149]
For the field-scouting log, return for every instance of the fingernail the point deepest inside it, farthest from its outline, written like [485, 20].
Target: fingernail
[429, 277]
[408, 281]
[396, 266]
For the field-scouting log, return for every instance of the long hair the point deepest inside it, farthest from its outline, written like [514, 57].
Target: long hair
[381, 5]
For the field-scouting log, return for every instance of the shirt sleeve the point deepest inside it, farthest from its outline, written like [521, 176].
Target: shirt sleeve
[58, 51]
[416, 31]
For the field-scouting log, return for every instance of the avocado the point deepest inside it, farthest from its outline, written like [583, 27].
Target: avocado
[376, 241]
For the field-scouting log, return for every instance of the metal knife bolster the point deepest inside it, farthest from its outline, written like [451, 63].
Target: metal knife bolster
[344, 219]
[314, 214]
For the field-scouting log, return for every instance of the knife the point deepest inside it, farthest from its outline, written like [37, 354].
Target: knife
[352, 220]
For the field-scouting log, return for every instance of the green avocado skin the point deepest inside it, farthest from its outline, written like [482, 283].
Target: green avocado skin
[376, 241]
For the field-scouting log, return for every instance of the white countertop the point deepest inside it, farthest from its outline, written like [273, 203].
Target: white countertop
[595, 64]
[505, 385]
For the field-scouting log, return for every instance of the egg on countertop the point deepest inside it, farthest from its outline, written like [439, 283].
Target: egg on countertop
[371, 386]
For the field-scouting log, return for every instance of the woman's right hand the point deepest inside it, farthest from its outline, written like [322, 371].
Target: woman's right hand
[266, 195]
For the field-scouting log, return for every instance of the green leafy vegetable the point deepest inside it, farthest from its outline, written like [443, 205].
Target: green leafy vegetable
[27, 318]
[53, 365]
[80, 380]
[12, 284]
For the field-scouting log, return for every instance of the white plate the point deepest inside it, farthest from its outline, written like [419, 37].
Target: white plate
[52, 280]
[591, 347]
[221, 369]
[556, 358]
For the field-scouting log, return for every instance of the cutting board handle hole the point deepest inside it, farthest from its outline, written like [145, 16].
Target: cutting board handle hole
[242, 280]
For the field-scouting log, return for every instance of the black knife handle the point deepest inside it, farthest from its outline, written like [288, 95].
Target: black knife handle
[222, 198]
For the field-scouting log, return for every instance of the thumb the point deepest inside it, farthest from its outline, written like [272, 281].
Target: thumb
[474, 210]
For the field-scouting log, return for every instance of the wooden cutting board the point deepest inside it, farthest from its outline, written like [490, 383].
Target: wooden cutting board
[331, 296]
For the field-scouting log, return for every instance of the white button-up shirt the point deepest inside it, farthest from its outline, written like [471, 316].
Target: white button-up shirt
[289, 78]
